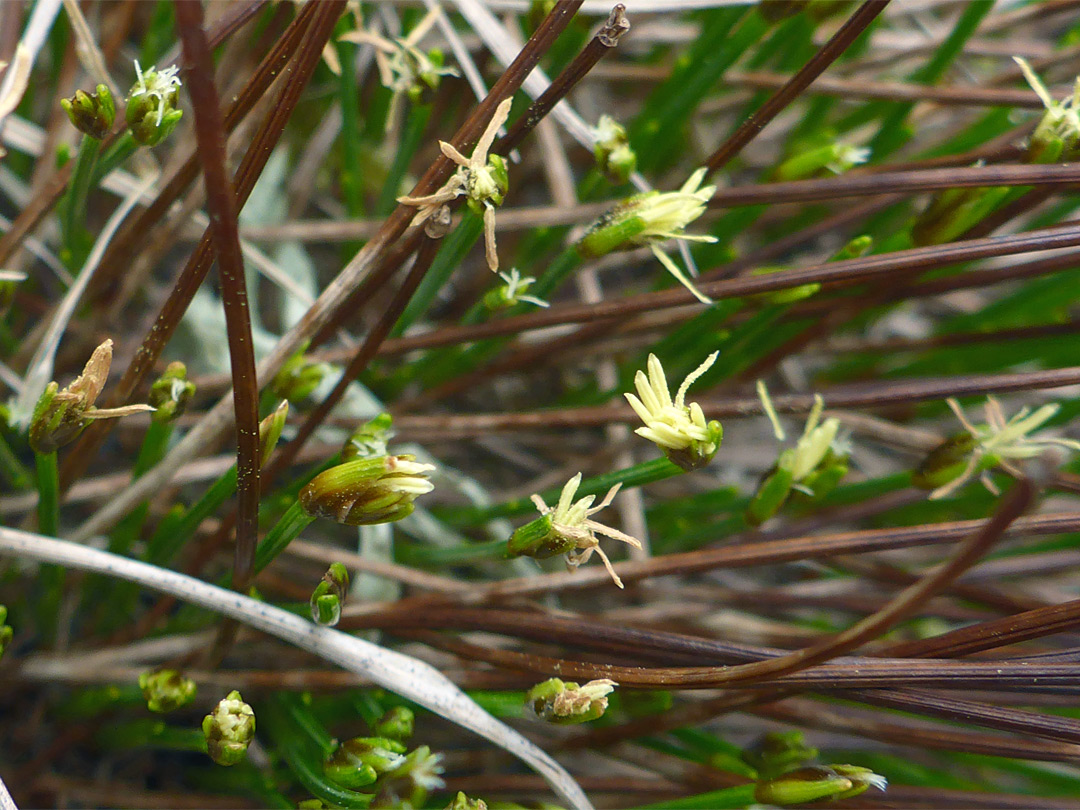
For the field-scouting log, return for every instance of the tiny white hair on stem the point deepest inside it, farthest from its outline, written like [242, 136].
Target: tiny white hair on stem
[399, 673]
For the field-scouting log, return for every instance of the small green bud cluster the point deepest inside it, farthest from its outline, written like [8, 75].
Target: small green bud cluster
[329, 595]
[614, 157]
[397, 724]
[152, 105]
[566, 703]
[370, 439]
[91, 113]
[166, 690]
[298, 378]
[367, 490]
[360, 761]
[229, 729]
[171, 393]
[463, 802]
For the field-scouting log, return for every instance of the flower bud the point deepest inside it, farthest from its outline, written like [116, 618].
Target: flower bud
[370, 439]
[270, 430]
[152, 111]
[396, 724]
[361, 760]
[861, 779]
[229, 729]
[367, 491]
[298, 378]
[171, 393]
[60, 415]
[166, 690]
[831, 158]
[772, 492]
[567, 703]
[6, 631]
[463, 802]
[803, 785]
[329, 596]
[614, 157]
[91, 114]
[778, 752]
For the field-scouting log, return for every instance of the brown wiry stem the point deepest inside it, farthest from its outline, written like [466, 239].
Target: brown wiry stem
[221, 200]
[837, 44]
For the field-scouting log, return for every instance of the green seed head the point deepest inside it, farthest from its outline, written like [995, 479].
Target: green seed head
[329, 596]
[229, 729]
[566, 703]
[171, 393]
[367, 491]
[166, 690]
[270, 430]
[152, 105]
[91, 113]
[396, 724]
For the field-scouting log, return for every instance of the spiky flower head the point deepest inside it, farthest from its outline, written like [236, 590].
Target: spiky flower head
[171, 393]
[812, 468]
[60, 415]
[229, 729]
[404, 68]
[166, 690]
[997, 443]
[567, 703]
[568, 529]
[650, 219]
[152, 111]
[482, 179]
[680, 430]
[91, 113]
[513, 292]
[367, 490]
[1058, 132]
[329, 595]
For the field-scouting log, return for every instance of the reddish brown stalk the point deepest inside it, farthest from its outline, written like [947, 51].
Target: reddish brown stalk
[894, 266]
[829, 52]
[603, 43]
[221, 200]
[857, 184]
